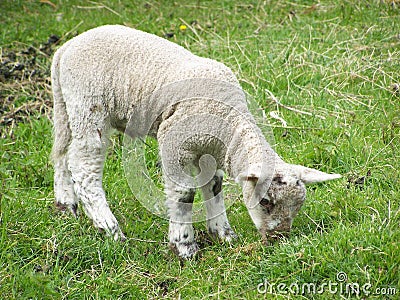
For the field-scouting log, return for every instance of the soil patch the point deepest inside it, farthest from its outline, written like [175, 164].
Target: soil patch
[25, 87]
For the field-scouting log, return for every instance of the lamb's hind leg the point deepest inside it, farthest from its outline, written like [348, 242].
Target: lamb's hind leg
[85, 161]
[65, 197]
[181, 233]
[217, 221]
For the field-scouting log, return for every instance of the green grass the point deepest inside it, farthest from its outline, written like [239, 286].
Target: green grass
[336, 63]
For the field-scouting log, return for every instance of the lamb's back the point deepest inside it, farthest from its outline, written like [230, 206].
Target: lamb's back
[123, 59]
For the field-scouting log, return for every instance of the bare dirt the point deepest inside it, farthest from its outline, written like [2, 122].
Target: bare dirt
[25, 87]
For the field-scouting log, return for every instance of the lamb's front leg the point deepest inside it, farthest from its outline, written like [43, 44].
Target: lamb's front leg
[217, 221]
[181, 234]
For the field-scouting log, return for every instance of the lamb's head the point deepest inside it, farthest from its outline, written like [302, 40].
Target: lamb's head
[273, 200]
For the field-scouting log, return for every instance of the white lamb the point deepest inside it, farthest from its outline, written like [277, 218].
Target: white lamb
[117, 77]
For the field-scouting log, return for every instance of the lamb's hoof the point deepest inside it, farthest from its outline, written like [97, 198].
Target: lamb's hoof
[225, 234]
[119, 236]
[115, 233]
[67, 207]
[110, 227]
[228, 236]
[185, 250]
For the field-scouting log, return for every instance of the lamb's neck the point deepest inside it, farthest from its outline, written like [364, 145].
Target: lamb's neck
[249, 148]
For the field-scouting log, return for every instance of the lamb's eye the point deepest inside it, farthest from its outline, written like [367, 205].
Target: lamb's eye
[267, 204]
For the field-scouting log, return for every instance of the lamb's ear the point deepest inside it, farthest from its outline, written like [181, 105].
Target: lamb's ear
[252, 174]
[308, 175]
[249, 177]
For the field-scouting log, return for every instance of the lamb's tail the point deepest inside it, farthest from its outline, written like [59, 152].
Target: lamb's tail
[62, 130]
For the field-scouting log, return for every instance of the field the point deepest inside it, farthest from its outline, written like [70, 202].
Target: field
[326, 74]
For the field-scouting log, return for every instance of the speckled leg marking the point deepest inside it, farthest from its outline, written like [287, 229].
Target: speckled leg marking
[65, 197]
[217, 221]
[85, 161]
[181, 234]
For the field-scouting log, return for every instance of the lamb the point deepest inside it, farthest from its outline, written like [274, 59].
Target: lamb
[115, 77]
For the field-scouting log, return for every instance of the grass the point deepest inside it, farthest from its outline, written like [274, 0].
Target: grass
[329, 71]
